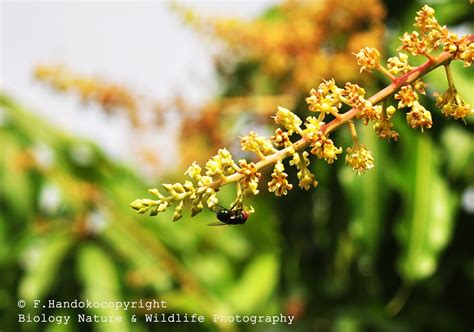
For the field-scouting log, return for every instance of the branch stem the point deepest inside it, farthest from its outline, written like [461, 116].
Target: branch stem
[449, 76]
[409, 77]
[384, 71]
[352, 129]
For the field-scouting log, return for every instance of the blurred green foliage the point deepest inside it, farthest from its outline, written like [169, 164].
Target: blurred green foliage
[67, 233]
[387, 251]
[383, 251]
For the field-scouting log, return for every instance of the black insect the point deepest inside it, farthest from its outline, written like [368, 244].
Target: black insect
[230, 217]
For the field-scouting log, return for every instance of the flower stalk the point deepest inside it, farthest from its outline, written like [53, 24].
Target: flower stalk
[326, 102]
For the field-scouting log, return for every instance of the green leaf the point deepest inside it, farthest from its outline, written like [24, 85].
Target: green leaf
[43, 258]
[138, 256]
[100, 282]
[257, 283]
[460, 160]
[426, 226]
[213, 269]
[16, 190]
[367, 196]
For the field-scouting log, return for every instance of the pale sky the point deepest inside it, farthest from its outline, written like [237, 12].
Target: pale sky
[141, 44]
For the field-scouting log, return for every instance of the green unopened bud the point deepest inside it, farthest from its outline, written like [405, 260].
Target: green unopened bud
[196, 208]
[188, 185]
[154, 211]
[194, 171]
[201, 190]
[143, 210]
[142, 203]
[212, 201]
[178, 187]
[168, 187]
[156, 193]
[391, 111]
[162, 207]
[136, 204]
[178, 211]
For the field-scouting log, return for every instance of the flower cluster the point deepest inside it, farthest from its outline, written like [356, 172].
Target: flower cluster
[431, 35]
[368, 58]
[453, 105]
[324, 148]
[250, 177]
[297, 42]
[293, 138]
[109, 96]
[326, 99]
[281, 138]
[329, 98]
[419, 117]
[289, 120]
[279, 184]
[384, 127]
[398, 64]
[305, 177]
[359, 158]
[407, 96]
[257, 144]
[221, 164]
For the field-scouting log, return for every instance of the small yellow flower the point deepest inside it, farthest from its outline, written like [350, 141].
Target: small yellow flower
[196, 207]
[204, 181]
[194, 171]
[178, 211]
[413, 45]
[212, 199]
[354, 96]
[281, 138]
[425, 20]
[420, 86]
[324, 148]
[279, 184]
[140, 204]
[453, 105]
[250, 181]
[326, 99]
[214, 166]
[359, 158]
[353, 93]
[162, 206]
[306, 179]
[368, 58]
[390, 111]
[419, 117]
[300, 160]
[407, 96]
[464, 50]
[257, 144]
[398, 65]
[384, 129]
[312, 125]
[221, 164]
[368, 112]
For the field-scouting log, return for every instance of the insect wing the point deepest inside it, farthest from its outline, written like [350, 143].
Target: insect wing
[217, 224]
[217, 208]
